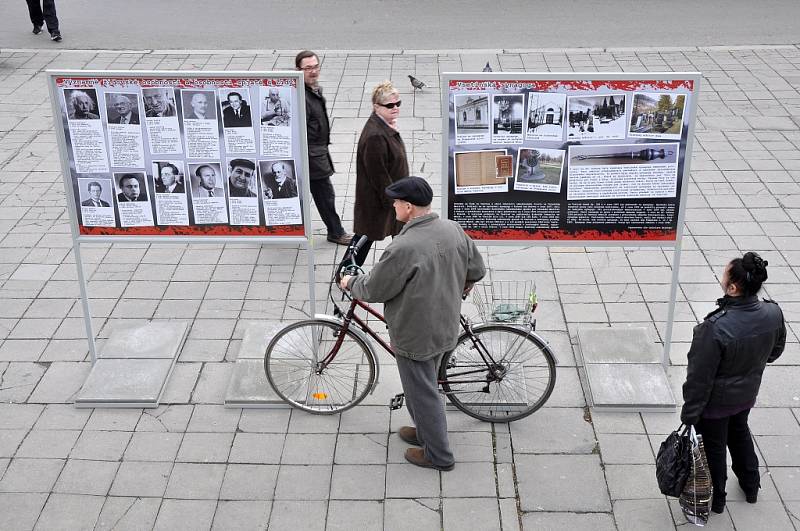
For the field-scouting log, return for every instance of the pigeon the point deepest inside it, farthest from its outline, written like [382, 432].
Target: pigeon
[488, 67]
[416, 83]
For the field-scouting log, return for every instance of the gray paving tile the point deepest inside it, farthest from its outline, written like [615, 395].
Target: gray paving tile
[763, 515]
[643, 514]
[469, 480]
[302, 422]
[127, 514]
[471, 446]
[195, 481]
[309, 449]
[20, 511]
[553, 430]
[214, 418]
[632, 482]
[290, 515]
[102, 445]
[471, 513]
[141, 479]
[114, 419]
[358, 482]
[235, 515]
[63, 417]
[303, 482]
[410, 481]
[358, 448]
[153, 446]
[249, 482]
[625, 449]
[10, 441]
[412, 514]
[48, 443]
[86, 477]
[365, 419]
[31, 475]
[185, 514]
[205, 447]
[554, 521]
[778, 450]
[344, 515]
[787, 481]
[574, 483]
[70, 511]
[257, 448]
[265, 420]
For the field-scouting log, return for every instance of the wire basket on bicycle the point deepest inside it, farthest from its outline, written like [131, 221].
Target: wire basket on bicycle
[505, 301]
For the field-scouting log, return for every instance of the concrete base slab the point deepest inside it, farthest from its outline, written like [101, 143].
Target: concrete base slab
[134, 366]
[622, 370]
[248, 386]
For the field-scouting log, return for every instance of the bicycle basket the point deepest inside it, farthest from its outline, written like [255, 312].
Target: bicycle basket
[505, 301]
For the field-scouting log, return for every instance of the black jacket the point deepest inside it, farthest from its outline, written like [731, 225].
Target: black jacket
[729, 351]
[320, 164]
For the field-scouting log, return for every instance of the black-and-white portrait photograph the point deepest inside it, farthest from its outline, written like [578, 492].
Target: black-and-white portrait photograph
[81, 104]
[198, 105]
[508, 112]
[95, 193]
[131, 187]
[472, 119]
[206, 179]
[596, 117]
[278, 179]
[122, 108]
[159, 102]
[241, 178]
[545, 116]
[235, 108]
[168, 177]
[275, 106]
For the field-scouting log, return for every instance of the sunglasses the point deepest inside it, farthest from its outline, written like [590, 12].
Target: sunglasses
[391, 105]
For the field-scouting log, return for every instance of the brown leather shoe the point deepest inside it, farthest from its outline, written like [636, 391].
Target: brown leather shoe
[409, 435]
[416, 456]
[344, 239]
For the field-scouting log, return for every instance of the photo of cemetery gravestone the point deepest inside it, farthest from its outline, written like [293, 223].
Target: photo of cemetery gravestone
[657, 115]
[596, 117]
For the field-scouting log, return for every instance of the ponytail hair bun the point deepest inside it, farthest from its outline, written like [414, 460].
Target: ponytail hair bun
[755, 266]
[748, 272]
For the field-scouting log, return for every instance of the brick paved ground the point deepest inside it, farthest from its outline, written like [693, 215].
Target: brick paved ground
[193, 464]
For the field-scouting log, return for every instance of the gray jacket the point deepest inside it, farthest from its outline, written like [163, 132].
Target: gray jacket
[420, 278]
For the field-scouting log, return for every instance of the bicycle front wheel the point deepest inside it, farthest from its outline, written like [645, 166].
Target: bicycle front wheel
[303, 371]
[518, 382]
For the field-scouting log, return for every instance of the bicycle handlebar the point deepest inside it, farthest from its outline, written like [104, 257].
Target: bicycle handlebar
[348, 262]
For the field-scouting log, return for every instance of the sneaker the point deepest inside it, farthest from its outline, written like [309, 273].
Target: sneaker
[409, 435]
[344, 239]
[416, 456]
[55, 37]
[36, 29]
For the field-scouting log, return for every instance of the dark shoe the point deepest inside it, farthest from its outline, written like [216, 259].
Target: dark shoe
[416, 456]
[717, 505]
[344, 239]
[409, 435]
[36, 29]
[751, 498]
[55, 37]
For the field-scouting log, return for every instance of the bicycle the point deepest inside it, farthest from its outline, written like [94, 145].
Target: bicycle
[498, 372]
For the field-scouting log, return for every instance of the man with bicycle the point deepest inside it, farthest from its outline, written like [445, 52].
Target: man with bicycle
[421, 277]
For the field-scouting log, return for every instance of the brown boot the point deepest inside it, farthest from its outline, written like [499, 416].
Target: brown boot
[416, 456]
[409, 435]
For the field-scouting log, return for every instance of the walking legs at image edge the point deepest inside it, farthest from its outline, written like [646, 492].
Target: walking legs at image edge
[731, 432]
[426, 407]
[41, 12]
[325, 198]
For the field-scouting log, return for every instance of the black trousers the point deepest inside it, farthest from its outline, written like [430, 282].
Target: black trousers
[325, 198]
[731, 432]
[42, 11]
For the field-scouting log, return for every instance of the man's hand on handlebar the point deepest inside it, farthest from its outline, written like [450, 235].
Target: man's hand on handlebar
[343, 282]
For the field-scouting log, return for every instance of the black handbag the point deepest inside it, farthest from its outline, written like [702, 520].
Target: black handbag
[674, 462]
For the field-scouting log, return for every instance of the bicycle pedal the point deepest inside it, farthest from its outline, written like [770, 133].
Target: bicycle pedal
[397, 401]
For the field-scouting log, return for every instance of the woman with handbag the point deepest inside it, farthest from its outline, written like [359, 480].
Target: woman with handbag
[729, 352]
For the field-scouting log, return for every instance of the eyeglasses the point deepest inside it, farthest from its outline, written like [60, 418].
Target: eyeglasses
[391, 105]
[311, 68]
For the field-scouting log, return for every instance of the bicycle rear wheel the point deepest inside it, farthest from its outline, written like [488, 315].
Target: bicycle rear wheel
[292, 363]
[519, 383]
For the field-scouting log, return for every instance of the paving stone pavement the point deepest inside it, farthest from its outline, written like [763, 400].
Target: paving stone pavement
[193, 464]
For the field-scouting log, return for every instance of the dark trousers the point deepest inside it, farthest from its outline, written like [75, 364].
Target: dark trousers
[731, 432]
[426, 407]
[43, 11]
[325, 198]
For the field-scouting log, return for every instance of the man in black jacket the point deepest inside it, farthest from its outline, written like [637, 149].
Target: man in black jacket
[320, 164]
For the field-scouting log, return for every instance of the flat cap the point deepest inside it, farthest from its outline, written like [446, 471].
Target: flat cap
[413, 189]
